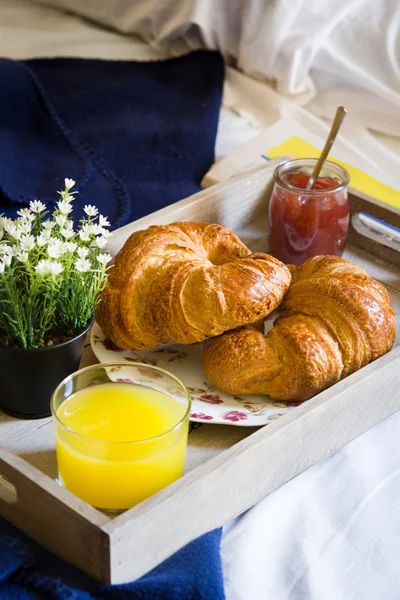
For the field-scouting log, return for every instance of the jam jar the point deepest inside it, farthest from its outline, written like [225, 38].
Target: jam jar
[305, 223]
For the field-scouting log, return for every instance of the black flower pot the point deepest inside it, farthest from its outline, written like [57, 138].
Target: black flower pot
[29, 377]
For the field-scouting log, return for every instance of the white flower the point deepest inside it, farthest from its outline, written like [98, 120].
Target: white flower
[82, 265]
[90, 210]
[1, 233]
[104, 259]
[69, 183]
[22, 256]
[43, 238]
[68, 229]
[86, 232]
[26, 214]
[70, 246]
[16, 233]
[101, 241]
[84, 235]
[7, 223]
[67, 233]
[99, 230]
[48, 225]
[27, 242]
[54, 251]
[69, 224]
[83, 252]
[36, 206]
[56, 248]
[61, 220]
[64, 207]
[41, 267]
[55, 268]
[4, 249]
[12, 229]
[103, 221]
[1, 267]
[7, 258]
[25, 227]
[48, 267]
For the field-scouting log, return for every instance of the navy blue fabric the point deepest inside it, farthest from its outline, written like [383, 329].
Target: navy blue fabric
[29, 572]
[136, 136]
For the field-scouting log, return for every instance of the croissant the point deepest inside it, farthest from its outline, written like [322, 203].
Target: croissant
[184, 283]
[335, 319]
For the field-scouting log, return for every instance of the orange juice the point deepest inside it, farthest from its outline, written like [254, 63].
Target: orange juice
[121, 443]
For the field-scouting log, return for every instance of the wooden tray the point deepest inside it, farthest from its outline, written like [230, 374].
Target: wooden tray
[228, 469]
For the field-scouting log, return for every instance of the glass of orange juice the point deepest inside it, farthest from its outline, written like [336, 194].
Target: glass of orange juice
[121, 432]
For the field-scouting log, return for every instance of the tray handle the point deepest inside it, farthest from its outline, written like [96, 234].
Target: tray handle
[8, 491]
[49, 513]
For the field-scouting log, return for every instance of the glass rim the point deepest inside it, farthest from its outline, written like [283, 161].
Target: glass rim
[113, 364]
[298, 161]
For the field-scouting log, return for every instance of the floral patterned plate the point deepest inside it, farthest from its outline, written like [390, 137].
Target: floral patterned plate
[209, 405]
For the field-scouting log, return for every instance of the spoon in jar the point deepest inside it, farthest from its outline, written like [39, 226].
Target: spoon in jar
[337, 122]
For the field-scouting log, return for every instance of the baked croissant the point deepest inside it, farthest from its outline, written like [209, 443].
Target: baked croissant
[335, 319]
[184, 283]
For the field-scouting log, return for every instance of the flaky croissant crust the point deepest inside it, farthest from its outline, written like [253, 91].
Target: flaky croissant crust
[184, 283]
[335, 319]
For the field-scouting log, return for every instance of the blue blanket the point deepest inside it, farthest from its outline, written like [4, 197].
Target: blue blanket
[136, 136]
[29, 572]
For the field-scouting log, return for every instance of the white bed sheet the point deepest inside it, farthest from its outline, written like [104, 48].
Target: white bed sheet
[332, 533]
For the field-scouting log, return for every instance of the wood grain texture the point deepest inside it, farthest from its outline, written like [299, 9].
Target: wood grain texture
[229, 469]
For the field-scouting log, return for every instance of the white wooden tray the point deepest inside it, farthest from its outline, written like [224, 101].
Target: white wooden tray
[228, 468]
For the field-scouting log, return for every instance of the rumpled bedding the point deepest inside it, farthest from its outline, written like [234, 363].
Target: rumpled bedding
[320, 53]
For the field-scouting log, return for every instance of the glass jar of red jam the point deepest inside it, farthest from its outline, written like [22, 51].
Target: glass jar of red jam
[305, 223]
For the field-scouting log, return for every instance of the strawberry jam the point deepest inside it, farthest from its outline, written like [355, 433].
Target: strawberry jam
[305, 223]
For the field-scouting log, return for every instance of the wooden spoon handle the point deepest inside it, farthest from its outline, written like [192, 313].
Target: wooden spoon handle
[337, 122]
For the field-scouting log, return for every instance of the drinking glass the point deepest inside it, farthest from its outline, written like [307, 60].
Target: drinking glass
[118, 469]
